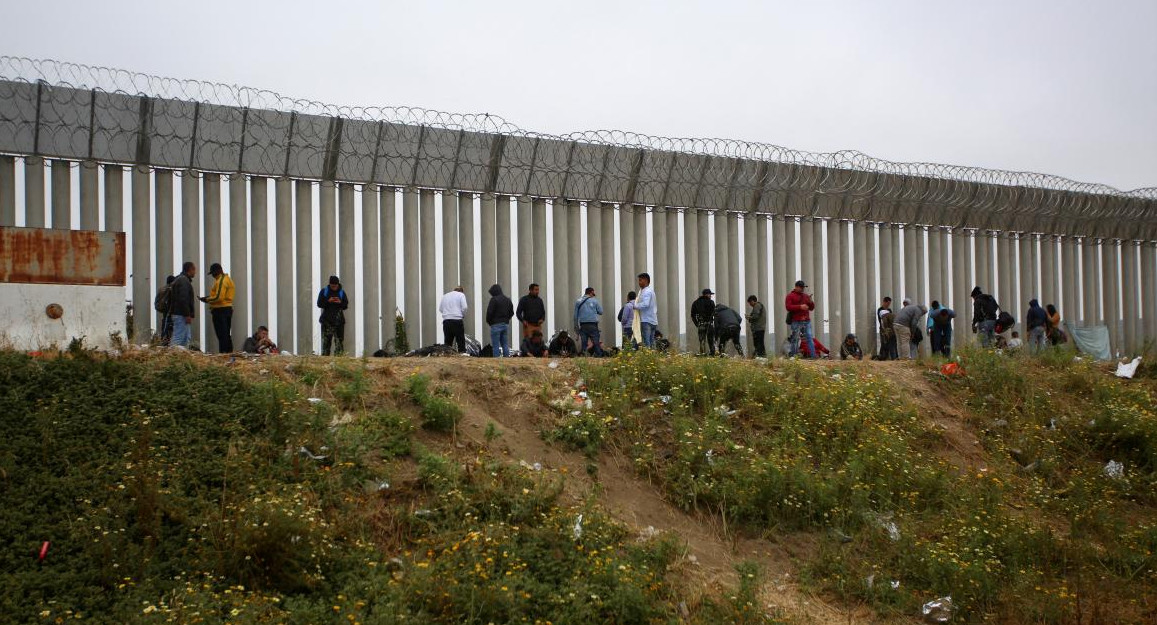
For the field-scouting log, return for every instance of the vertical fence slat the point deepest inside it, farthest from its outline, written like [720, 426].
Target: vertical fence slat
[239, 256]
[306, 289]
[259, 241]
[190, 227]
[476, 293]
[142, 255]
[559, 318]
[211, 232]
[164, 229]
[7, 191]
[347, 220]
[606, 214]
[61, 195]
[427, 251]
[283, 222]
[33, 192]
[371, 276]
[387, 222]
[89, 195]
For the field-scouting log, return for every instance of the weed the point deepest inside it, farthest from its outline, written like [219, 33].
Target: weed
[438, 410]
[354, 384]
[492, 432]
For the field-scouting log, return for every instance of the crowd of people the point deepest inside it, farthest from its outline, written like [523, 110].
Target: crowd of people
[717, 326]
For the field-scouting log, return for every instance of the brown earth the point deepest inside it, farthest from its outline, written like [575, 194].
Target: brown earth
[513, 394]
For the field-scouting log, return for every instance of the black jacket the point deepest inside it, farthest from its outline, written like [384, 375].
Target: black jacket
[332, 304]
[1036, 316]
[500, 309]
[182, 300]
[531, 309]
[727, 318]
[702, 310]
[562, 346]
[984, 308]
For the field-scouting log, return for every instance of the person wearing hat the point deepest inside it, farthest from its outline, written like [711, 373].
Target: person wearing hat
[799, 305]
[703, 316]
[332, 301]
[220, 301]
[850, 348]
[757, 324]
[587, 311]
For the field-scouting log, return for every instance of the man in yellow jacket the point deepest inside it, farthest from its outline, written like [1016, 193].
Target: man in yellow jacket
[220, 301]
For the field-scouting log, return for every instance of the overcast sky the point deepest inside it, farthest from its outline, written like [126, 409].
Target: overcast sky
[1060, 87]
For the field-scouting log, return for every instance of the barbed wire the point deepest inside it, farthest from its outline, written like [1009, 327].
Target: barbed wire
[68, 110]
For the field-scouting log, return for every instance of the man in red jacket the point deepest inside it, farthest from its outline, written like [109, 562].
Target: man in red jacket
[799, 305]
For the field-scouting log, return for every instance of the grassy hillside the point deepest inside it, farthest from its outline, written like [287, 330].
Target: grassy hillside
[185, 489]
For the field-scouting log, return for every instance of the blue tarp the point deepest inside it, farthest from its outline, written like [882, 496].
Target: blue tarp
[1093, 340]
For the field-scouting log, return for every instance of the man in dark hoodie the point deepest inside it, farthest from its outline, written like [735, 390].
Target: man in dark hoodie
[531, 311]
[332, 301]
[498, 314]
[703, 316]
[1036, 320]
[727, 324]
[182, 305]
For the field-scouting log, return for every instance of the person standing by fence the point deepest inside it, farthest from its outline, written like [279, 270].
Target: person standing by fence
[648, 309]
[703, 316]
[627, 321]
[220, 301]
[587, 311]
[799, 305]
[531, 311]
[453, 310]
[757, 324]
[498, 314]
[332, 301]
[183, 305]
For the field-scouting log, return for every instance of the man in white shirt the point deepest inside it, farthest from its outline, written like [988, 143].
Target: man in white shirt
[453, 310]
[648, 310]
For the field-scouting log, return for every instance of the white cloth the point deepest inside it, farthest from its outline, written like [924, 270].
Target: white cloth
[453, 305]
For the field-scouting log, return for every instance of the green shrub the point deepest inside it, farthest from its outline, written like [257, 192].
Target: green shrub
[438, 410]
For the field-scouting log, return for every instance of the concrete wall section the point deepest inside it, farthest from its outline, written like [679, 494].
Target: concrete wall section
[93, 313]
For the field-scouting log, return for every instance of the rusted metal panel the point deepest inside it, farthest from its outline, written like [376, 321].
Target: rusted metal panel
[49, 256]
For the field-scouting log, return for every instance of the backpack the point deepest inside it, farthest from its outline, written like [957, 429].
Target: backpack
[917, 336]
[1005, 321]
[164, 299]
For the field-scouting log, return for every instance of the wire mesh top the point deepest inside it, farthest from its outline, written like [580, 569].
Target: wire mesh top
[114, 80]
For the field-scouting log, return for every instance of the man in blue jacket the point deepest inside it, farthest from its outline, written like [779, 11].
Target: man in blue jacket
[587, 311]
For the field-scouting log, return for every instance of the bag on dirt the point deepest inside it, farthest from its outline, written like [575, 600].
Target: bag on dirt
[164, 298]
[1005, 321]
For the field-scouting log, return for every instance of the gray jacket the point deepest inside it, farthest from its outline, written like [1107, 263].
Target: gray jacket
[910, 316]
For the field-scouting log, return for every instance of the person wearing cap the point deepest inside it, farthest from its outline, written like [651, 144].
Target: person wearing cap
[703, 316]
[453, 310]
[850, 348]
[757, 324]
[587, 311]
[220, 301]
[799, 305]
[332, 301]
